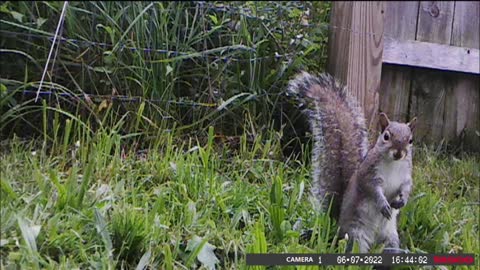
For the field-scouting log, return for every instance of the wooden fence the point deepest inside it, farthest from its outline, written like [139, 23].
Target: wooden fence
[412, 58]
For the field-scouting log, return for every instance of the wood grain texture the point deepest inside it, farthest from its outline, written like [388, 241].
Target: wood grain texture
[401, 19]
[395, 87]
[431, 55]
[355, 56]
[466, 24]
[339, 40]
[429, 68]
[435, 21]
[395, 91]
[430, 88]
[463, 107]
[467, 111]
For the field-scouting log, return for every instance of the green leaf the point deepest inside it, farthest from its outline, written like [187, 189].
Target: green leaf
[40, 22]
[29, 234]
[4, 8]
[300, 193]
[206, 255]
[7, 188]
[17, 16]
[142, 264]
[232, 99]
[259, 244]
[214, 19]
[101, 226]
[169, 70]
[102, 69]
[3, 242]
[109, 58]
[109, 30]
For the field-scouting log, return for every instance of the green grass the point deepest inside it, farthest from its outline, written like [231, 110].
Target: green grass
[186, 203]
[100, 184]
[228, 59]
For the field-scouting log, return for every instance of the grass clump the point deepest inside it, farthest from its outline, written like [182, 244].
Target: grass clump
[188, 65]
[193, 173]
[129, 234]
[180, 205]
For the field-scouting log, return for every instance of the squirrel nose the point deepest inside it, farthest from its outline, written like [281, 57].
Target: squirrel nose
[397, 155]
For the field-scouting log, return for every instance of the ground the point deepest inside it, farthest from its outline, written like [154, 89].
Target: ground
[92, 205]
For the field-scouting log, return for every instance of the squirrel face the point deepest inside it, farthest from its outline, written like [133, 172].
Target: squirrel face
[396, 138]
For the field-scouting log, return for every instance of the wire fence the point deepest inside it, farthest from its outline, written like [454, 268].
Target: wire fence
[169, 53]
[130, 99]
[173, 53]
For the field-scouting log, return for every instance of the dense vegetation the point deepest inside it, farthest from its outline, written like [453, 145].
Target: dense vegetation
[164, 139]
[193, 64]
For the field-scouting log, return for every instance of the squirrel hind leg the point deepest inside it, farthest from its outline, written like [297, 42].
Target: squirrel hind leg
[391, 246]
[389, 234]
[360, 236]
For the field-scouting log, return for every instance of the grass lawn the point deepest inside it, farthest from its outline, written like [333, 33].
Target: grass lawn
[181, 205]
[179, 202]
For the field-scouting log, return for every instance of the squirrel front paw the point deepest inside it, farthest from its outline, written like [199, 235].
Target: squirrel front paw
[398, 203]
[386, 211]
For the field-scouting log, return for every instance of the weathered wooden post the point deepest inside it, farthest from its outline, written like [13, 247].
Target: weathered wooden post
[355, 51]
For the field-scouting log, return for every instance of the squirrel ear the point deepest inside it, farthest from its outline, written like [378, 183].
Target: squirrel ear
[384, 121]
[412, 123]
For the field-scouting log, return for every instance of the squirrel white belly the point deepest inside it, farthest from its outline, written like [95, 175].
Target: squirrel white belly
[366, 187]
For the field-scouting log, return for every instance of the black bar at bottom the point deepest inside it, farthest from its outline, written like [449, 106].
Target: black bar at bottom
[360, 259]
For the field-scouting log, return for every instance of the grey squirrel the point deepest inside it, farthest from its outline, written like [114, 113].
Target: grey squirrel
[365, 188]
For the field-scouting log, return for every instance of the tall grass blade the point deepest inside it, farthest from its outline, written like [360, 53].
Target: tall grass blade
[144, 261]
[101, 227]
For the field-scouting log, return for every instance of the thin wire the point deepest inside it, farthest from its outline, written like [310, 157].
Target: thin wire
[124, 98]
[227, 9]
[231, 10]
[169, 52]
[176, 53]
[151, 50]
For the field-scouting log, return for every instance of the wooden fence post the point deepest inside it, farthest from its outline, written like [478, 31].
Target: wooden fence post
[355, 51]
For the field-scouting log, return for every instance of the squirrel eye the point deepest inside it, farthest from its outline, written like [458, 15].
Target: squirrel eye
[410, 141]
[386, 136]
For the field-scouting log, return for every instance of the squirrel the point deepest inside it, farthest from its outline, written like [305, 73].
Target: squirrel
[363, 188]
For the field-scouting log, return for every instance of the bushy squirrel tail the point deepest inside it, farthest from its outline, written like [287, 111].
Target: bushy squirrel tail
[339, 132]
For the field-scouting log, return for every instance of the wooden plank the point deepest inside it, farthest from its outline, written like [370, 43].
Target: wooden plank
[339, 39]
[467, 111]
[466, 98]
[360, 65]
[365, 67]
[395, 91]
[431, 55]
[401, 19]
[395, 87]
[429, 90]
[450, 110]
[430, 87]
[466, 24]
[435, 21]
